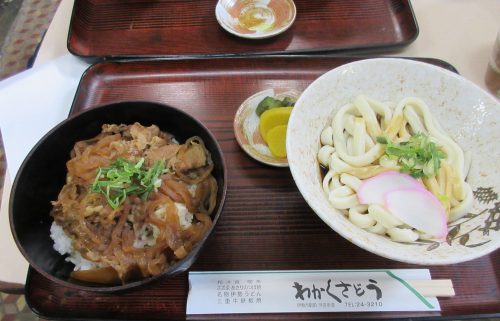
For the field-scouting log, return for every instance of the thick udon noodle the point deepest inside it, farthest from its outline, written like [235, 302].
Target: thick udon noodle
[141, 237]
[351, 154]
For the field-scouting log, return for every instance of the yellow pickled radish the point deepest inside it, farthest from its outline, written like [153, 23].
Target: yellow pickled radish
[271, 118]
[276, 140]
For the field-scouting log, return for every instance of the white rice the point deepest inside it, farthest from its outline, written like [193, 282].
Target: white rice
[146, 236]
[63, 245]
[185, 217]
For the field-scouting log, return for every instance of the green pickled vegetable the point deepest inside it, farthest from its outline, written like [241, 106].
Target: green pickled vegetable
[270, 102]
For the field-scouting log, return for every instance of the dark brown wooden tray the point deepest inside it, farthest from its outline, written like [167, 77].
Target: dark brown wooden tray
[118, 28]
[265, 224]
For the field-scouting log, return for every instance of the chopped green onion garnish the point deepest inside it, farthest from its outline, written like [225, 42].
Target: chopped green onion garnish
[418, 156]
[122, 178]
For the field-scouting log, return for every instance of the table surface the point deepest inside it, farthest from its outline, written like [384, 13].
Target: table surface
[460, 32]
[282, 233]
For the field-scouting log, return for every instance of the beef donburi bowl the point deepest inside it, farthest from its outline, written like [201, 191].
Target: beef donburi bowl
[118, 196]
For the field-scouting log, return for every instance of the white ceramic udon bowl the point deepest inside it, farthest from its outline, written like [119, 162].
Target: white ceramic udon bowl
[466, 112]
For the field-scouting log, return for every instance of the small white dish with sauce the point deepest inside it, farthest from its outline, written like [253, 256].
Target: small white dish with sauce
[255, 19]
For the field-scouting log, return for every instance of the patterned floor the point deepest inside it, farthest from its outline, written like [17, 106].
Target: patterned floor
[25, 22]
[14, 308]
[22, 31]
[25, 34]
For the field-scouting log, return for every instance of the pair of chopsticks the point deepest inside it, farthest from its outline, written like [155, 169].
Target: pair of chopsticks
[433, 288]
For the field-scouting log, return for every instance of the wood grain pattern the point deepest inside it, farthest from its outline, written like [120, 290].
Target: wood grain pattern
[265, 224]
[112, 28]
